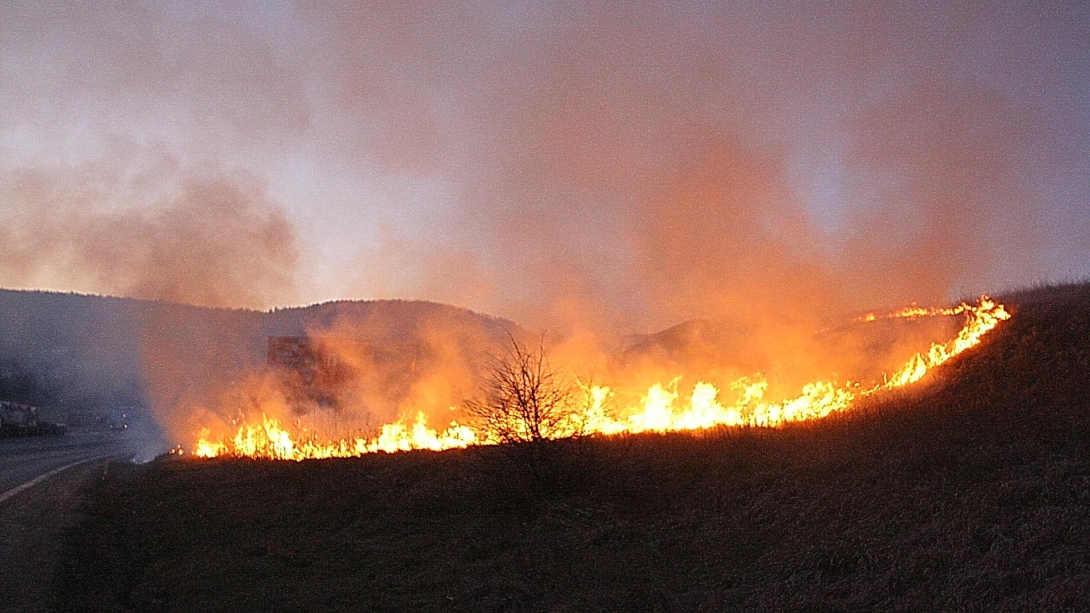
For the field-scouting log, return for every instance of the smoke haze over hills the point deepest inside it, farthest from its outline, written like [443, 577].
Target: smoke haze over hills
[570, 165]
[192, 367]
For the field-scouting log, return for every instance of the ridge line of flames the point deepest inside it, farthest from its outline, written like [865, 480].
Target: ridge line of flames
[269, 439]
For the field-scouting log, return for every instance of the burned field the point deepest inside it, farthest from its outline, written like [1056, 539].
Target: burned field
[969, 492]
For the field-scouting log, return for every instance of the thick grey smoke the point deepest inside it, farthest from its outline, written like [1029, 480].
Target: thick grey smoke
[198, 238]
[642, 165]
[574, 164]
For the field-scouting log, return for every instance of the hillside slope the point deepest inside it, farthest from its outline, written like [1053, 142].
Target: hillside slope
[970, 492]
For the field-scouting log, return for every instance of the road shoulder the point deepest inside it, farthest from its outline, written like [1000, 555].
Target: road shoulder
[32, 526]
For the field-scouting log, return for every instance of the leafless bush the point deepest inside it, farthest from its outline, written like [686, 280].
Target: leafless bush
[531, 410]
[524, 399]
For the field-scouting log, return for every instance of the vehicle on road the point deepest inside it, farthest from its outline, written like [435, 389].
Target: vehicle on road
[21, 419]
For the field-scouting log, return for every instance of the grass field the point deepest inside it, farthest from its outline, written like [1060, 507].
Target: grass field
[970, 492]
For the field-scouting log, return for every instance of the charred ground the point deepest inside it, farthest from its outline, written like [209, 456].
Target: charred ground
[971, 492]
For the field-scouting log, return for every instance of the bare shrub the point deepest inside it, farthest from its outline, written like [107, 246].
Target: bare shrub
[531, 410]
[524, 400]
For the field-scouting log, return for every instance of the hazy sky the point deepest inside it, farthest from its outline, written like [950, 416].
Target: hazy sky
[587, 162]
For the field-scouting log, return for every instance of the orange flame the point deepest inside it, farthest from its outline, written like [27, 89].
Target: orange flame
[658, 411]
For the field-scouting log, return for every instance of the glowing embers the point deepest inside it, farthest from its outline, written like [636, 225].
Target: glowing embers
[659, 409]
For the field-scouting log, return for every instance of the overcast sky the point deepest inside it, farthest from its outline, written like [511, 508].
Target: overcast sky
[547, 161]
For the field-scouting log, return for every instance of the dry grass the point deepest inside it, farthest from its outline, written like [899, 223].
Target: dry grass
[971, 493]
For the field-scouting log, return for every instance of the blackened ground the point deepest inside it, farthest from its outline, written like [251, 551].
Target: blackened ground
[971, 493]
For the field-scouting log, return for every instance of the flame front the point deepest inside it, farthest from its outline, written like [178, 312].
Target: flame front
[269, 439]
[658, 411]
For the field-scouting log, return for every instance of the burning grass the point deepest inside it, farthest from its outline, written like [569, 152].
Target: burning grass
[660, 409]
[969, 493]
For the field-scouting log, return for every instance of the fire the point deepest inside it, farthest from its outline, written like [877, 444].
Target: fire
[658, 411]
[914, 311]
[269, 439]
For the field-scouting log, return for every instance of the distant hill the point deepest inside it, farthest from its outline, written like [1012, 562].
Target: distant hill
[80, 350]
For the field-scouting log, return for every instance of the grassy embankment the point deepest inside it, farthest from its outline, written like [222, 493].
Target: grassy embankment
[968, 493]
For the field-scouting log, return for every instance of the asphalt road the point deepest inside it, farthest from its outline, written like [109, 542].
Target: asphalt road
[42, 480]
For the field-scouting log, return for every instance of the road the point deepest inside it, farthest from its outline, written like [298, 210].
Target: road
[42, 480]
